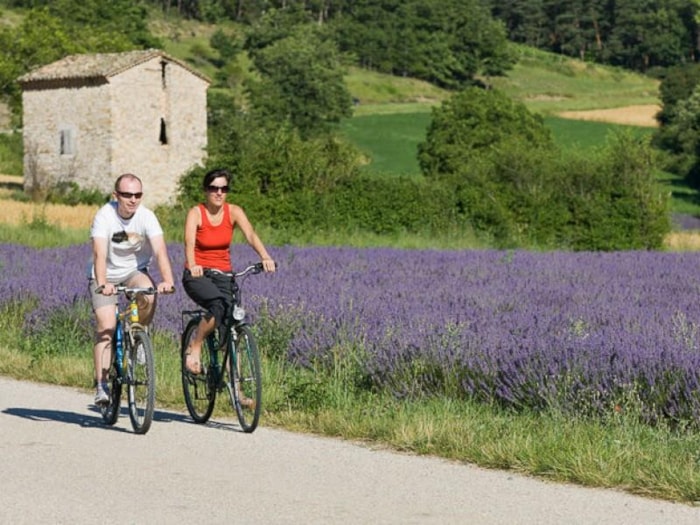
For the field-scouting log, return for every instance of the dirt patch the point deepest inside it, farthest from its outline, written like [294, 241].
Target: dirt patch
[630, 115]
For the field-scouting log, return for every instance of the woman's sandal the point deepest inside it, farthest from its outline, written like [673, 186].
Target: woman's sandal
[189, 361]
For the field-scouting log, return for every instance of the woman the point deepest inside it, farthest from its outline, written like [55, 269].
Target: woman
[208, 233]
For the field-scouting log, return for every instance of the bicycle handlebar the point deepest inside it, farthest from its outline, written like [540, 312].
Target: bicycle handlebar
[126, 290]
[252, 269]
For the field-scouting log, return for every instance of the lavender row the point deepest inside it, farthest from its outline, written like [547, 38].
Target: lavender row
[578, 330]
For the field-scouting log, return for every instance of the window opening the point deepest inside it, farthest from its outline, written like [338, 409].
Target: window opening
[66, 146]
[163, 134]
[162, 72]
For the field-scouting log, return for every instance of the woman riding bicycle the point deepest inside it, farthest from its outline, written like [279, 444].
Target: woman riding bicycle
[209, 230]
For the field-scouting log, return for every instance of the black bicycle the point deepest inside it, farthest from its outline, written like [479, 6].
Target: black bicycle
[229, 361]
[132, 365]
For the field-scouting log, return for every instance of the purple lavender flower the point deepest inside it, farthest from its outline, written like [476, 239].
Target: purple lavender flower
[576, 331]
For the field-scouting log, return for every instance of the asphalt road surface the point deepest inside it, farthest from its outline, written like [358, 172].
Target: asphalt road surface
[60, 464]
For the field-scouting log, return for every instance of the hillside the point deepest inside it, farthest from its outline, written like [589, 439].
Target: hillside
[546, 83]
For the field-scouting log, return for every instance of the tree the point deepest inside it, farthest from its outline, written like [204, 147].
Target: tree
[301, 81]
[472, 122]
[447, 42]
[40, 38]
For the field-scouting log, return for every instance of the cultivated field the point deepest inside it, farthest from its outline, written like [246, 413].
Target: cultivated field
[643, 115]
[15, 212]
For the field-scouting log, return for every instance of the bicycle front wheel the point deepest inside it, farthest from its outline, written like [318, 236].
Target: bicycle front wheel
[199, 390]
[245, 382]
[141, 379]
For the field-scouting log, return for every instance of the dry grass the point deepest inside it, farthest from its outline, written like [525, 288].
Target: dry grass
[685, 241]
[75, 217]
[630, 115]
[15, 212]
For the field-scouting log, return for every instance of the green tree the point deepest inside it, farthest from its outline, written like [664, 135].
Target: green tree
[648, 33]
[301, 81]
[472, 122]
[447, 42]
[40, 38]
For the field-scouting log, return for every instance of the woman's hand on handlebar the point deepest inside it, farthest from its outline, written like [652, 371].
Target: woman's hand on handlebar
[269, 265]
[166, 288]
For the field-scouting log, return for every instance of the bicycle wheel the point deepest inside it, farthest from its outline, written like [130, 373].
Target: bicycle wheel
[141, 381]
[199, 390]
[110, 412]
[245, 383]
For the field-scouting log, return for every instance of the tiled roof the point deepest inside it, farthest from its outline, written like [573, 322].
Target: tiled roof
[100, 65]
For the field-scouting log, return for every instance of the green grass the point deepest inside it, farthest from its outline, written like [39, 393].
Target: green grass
[549, 83]
[619, 452]
[582, 134]
[390, 141]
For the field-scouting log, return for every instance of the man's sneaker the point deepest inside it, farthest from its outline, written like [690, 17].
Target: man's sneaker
[102, 395]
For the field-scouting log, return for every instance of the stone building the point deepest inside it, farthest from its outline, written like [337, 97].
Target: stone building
[89, 118]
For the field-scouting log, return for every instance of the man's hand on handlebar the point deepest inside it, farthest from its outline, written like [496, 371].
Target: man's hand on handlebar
[106, 289]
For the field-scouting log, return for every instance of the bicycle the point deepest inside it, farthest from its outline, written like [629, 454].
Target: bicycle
[237, 369]
[132, 365]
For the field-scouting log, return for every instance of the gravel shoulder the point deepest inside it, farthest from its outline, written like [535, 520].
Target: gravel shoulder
[60, 464]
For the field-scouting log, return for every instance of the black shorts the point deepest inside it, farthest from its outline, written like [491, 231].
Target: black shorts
[213, 292]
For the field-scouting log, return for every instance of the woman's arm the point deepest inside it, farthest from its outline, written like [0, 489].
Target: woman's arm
[239, 218]
[191, 224]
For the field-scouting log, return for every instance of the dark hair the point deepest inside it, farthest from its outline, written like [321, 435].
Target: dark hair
[215, 174]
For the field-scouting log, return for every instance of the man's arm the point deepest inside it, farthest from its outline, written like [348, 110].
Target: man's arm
[160, 252]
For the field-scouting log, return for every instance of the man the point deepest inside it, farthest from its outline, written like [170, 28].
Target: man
[125, 237]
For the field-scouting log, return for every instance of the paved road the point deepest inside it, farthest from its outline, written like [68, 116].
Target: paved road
[59, 464]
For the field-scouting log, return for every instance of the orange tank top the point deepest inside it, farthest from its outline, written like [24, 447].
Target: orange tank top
[212, 247]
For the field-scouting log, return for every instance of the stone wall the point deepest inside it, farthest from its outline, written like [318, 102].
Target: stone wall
[115, 128]
[83, 117]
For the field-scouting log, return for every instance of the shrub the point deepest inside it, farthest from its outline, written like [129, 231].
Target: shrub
[614, 199]
[472, 122]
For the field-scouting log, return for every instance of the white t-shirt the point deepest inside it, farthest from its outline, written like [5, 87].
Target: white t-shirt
[135, 253]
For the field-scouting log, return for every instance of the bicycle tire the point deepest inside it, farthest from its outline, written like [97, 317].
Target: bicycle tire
[110, 412]
[199, 390]
[141, 381]
[245, 379]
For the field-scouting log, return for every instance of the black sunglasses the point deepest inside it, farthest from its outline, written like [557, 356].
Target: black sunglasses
[216, 189]
[129, 195]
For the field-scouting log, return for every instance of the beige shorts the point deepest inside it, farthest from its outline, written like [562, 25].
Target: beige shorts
[99, 300]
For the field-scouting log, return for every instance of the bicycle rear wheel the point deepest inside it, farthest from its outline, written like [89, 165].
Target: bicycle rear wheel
[199, 389]
[110, 412]
[245, 382]
[141, 381]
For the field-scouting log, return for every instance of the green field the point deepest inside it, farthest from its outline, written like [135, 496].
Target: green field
[390, 140]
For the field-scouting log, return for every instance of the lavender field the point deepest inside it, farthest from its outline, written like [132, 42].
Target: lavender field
[589, 333]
